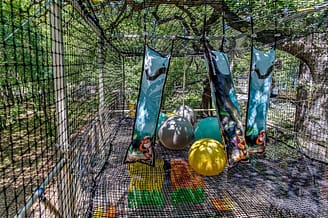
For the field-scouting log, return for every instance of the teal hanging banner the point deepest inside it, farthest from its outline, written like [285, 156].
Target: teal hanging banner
[155, 68]
[226, 104]
[258, 99]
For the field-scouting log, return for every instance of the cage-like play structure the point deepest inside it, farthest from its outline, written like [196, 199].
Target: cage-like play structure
[69, 89]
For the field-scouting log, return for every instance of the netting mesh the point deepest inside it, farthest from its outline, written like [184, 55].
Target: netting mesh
[283, 184]
[54, 76]
[69, 80]
[27, 116]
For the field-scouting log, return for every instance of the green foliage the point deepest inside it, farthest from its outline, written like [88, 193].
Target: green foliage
[133, 70]
[193, 69]
[290, 16]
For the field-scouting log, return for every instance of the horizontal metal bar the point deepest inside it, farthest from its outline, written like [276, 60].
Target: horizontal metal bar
[56, 169]
[126, 110]
[122, 35]
[22, 212]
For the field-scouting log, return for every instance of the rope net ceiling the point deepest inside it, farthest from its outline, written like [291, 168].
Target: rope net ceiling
[126, 22]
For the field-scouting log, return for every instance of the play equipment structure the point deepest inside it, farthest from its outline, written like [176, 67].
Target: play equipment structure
[149, 108]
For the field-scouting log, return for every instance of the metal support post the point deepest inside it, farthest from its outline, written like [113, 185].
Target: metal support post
[65, 181]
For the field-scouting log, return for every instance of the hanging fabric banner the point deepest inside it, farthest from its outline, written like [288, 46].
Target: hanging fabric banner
[226, 104]
[155, 68]
[258, 99]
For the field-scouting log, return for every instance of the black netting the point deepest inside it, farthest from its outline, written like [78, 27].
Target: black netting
[281, 184]
[69, 82]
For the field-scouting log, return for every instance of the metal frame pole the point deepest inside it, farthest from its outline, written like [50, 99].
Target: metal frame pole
[39, 192]
[64, 181]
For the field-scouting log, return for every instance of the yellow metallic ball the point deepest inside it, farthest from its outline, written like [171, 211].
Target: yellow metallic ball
[207, 157]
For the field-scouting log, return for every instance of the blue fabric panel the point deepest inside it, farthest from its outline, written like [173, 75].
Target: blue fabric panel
[226, 104]
[154, 74]
[259, 96]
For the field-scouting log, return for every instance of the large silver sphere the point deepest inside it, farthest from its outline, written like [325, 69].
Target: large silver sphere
[187, 112]
[176, 133]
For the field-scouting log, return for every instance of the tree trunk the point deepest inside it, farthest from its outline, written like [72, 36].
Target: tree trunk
[311, 118]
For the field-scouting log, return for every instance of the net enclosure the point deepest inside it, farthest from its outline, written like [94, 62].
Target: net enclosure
[70, 81]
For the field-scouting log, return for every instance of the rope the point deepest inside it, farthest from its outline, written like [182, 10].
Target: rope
[154, 34]
[223, 28]
[145, 24]
[184, 72]
[275, 25]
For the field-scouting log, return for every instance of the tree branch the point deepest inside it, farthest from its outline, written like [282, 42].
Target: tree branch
[118, 18]
[266, 36]
[192, 25]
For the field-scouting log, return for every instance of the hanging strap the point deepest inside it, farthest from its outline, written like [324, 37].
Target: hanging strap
[252, 33]
[204, 26]
[153, 38]
[145, 25]
[275, 25]
[223, 28]
[184, 71]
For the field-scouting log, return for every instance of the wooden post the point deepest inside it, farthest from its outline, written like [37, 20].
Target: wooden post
[65, 191]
